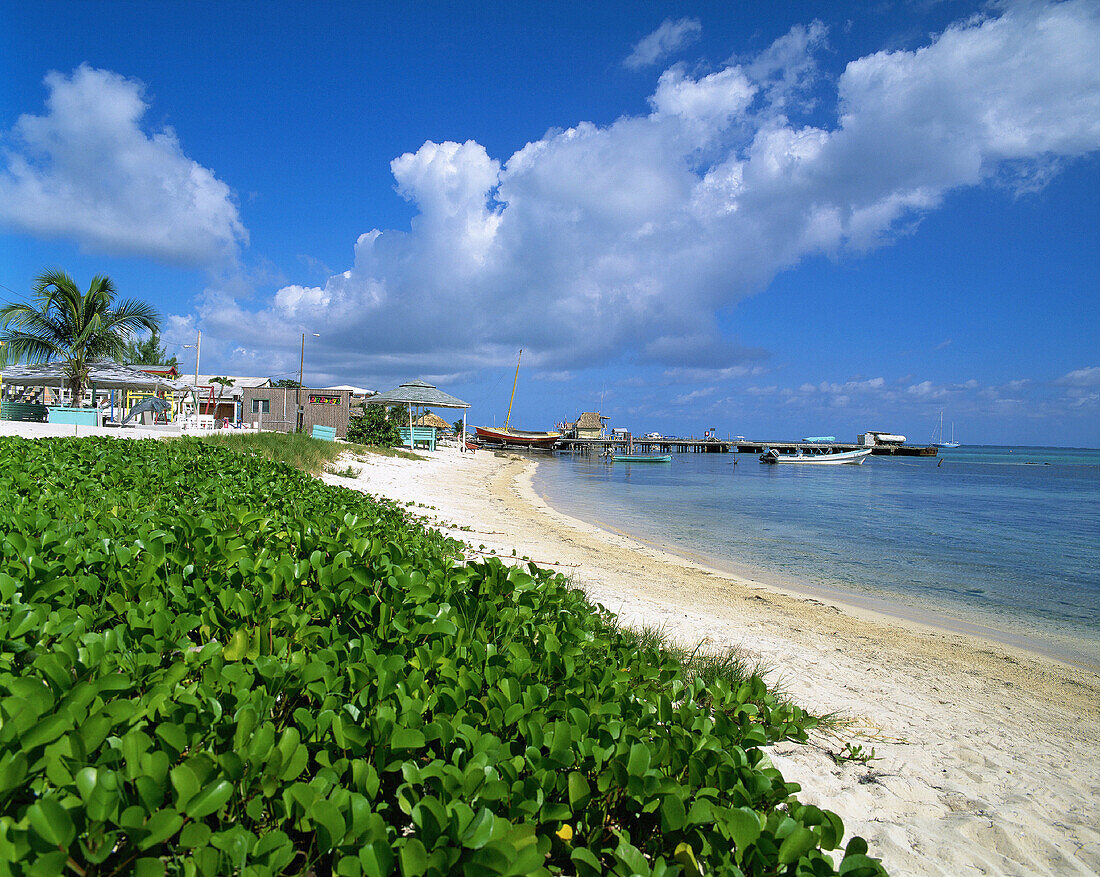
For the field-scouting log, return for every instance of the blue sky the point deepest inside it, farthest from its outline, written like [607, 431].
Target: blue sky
[771, 219]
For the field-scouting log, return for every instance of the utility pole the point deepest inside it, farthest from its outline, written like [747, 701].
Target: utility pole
[301, 373]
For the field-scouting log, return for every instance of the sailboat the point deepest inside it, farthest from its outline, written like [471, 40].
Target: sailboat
[939, 433]
[506, 435]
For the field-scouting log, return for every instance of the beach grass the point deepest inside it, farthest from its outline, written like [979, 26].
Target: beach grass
[298, 450]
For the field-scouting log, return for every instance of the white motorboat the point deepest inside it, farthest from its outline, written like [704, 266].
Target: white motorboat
[817, 456]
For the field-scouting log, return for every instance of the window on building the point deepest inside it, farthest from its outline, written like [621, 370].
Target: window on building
[261, 406]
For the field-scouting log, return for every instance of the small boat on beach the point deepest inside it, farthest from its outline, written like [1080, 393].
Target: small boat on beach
[817, 456]
[642, 458]
[506, 435]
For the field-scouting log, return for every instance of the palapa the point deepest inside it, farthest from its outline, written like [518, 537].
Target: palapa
[422, 395]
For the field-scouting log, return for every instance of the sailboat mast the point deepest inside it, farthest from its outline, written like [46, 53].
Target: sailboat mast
[514, 382]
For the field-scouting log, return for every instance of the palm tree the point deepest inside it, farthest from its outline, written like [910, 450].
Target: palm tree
[74, 327]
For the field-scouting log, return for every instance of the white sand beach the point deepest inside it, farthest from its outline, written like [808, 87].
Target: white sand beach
[987, 758]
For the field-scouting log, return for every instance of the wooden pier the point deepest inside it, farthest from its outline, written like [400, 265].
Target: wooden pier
[619, 445]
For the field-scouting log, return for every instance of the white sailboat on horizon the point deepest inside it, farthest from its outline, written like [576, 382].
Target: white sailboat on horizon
[939, 433]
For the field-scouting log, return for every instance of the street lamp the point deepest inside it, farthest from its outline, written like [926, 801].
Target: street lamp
[196, 345]
[195, 392]
[301, 372]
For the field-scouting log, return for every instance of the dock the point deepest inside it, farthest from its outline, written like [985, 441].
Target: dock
[615, 445]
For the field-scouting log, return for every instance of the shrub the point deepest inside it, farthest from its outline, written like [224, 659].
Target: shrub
[211, 664]
[374, 427]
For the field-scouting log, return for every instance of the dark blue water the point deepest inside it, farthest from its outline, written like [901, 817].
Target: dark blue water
[1001, 541]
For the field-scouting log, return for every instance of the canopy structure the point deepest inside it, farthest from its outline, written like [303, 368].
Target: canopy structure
[422, 395]
[102, 374]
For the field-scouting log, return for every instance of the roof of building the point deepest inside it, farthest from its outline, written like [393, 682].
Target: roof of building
[417, 393]
[355, 391]
[591, 420]
[105, 375]
[234, 389]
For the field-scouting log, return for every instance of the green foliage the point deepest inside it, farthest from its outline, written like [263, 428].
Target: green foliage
[213, 664]
[375, 427]
[72, 326]
[286, 382]
[856, 752]
[147, 351]
[296, 449]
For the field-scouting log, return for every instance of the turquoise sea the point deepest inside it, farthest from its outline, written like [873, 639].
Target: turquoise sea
[999, 541]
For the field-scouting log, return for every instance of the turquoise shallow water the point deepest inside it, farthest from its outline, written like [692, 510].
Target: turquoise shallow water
[995, 540]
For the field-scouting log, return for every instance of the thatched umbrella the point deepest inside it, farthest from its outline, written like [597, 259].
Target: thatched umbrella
[420, 393]
[431, 419]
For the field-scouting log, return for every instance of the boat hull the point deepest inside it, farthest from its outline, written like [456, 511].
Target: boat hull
[642, 458]
[845, 458]
[521, 437]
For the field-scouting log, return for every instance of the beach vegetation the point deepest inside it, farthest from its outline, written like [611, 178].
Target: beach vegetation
[295, 449]
[148, 351]
[376, 426]
[213, 663]
[62, 323]
[853, 752]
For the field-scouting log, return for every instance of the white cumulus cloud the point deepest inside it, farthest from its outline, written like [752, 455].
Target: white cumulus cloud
[86, 169]
[598, 239]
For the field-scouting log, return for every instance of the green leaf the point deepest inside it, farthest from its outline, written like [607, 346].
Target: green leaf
[159, 827]
[209, 800]
[413, 858]
[51, 822]
[795, 845]
[673, 813]
[579, 790]
[479, 831]
[186, 783]
[406, 738]
[744, 827]
[685, 857]
[148, 867]
[582, 856]
[638, 763]
[327, 817]
[237, 647]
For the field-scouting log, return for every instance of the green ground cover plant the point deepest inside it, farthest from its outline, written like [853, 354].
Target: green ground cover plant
[211, 663]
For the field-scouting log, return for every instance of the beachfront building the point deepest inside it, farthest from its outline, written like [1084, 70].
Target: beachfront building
[590, 425]
[276, 408]
[41, 392]
[224, 401]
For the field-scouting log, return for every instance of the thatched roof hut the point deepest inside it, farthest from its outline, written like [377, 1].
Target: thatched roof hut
[590, 420]
[430, 419]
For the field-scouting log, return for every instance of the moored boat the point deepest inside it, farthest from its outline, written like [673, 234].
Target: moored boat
[817, 456]
[506, 435]
[943, 442]
[642, 458]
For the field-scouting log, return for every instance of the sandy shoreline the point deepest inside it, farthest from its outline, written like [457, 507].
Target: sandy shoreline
[988, 758]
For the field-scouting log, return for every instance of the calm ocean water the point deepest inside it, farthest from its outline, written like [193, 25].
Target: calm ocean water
[1000, 541]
